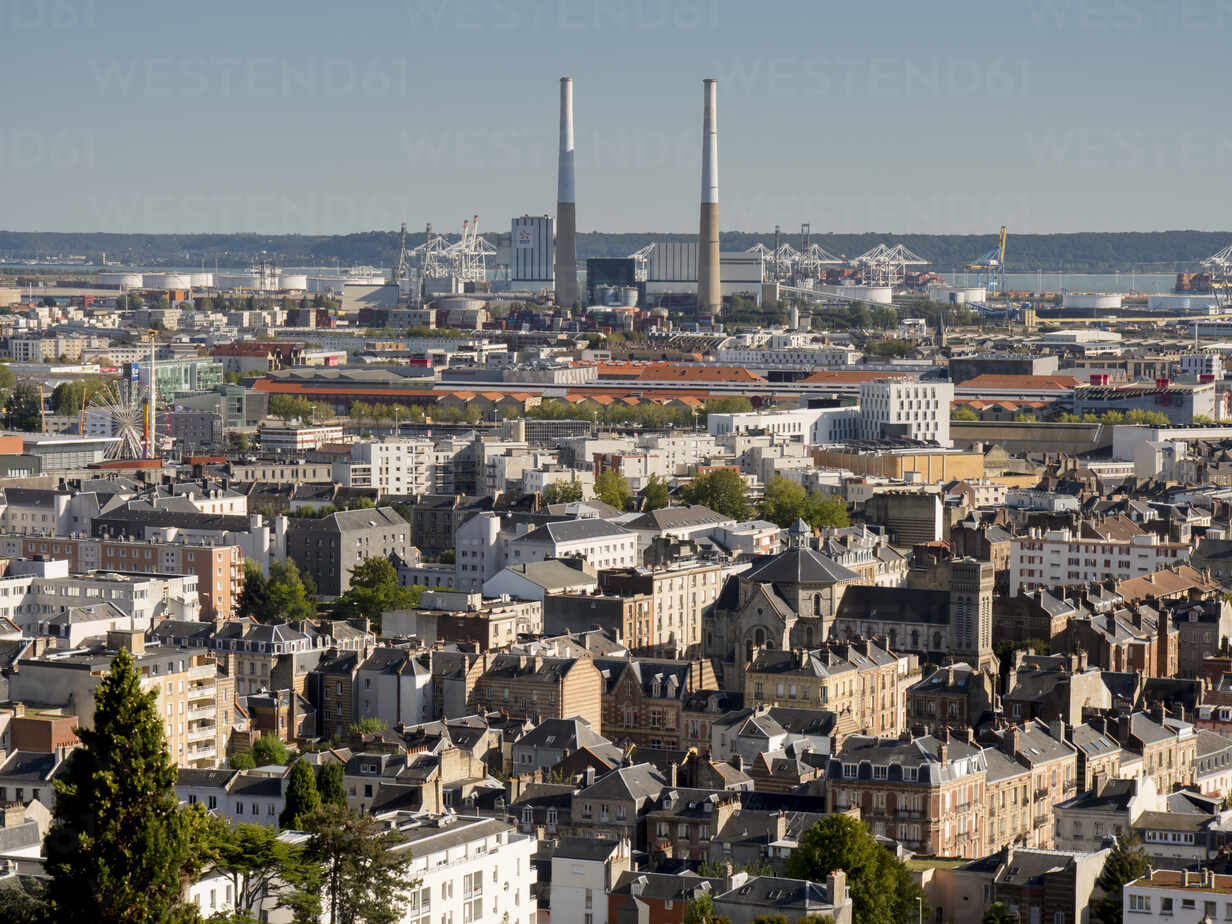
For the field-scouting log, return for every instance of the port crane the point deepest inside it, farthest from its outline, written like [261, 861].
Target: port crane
[990, 268]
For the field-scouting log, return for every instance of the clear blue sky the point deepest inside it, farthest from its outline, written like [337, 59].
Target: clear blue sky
[1051, 115]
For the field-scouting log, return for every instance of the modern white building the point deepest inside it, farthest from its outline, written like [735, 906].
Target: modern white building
[297, 437]
[784, 351]
[813, 426]
[897, 408]
[1199, 364]
[1060, 557]
[584, 871]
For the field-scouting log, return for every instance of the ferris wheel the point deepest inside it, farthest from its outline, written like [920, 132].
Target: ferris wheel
[124, 407]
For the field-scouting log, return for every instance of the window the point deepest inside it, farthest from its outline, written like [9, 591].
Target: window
[849, 771]
[1140, 903]
[1165, 906]
[880, 771]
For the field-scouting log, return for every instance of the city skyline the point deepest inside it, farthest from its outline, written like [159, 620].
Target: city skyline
[1055, 117]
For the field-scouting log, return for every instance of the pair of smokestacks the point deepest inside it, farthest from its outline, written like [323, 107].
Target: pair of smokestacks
[709, 291]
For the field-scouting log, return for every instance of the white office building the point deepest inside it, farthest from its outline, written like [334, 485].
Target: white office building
[903, 409]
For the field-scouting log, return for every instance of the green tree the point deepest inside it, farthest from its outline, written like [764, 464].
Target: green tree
[999, 913]
[241, 761]
[1126, 862]
[612, 488]
[963, 413]
[822, 510]
[656, 494]
[254, 599]
[24, 409]
[330, 784]
[270, 749]
[288, 597]
[22, 904]
[7, 377]
[364, 872]
[68, 396]
[374, 591]
[369, 725]
[722, 490]
[700, 910]
[783, 501]
[120, 848]
[562, 492]
[302, 800]
[238, 441]
[881, 887]
[255, 860]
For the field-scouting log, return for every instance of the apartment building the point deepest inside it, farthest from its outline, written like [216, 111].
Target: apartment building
[195, 692]
[537, 687]
[679, 593]
[597, 542]
[956, 695]
[1058, 557]
[330, 547]
[391, 466]
[1051, 763]
[862, 682]
[927, 792]
[217, 567]
[898, 409]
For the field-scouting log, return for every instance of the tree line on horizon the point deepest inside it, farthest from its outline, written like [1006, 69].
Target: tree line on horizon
[1077, 252]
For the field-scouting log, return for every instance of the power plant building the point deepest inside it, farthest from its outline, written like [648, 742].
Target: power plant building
[672, 270]
[531, 254]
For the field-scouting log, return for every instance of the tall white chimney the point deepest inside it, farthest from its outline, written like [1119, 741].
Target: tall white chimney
[566, 208]
[709, 290]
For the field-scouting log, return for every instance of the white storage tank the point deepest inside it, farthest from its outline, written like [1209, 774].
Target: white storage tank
[293, 281]
[168, 281]
[237, 280]
[1181, 302]
[628, 296]
[122, 280]
[459, 303]
[1092, 301]
[202, 280]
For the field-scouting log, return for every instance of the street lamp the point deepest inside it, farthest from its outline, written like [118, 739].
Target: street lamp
[919, 900]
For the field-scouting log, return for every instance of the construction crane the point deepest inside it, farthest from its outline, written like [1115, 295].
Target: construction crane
[990, 268]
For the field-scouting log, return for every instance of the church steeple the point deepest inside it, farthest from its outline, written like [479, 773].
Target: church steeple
[800, 534]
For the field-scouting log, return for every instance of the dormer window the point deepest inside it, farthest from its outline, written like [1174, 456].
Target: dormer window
[849, 771]
[881, 772]
[909, 774]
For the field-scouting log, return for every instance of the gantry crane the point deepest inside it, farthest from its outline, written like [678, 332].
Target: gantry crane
[990, 268]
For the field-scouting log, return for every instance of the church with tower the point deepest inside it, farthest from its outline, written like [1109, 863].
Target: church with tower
[801, 598]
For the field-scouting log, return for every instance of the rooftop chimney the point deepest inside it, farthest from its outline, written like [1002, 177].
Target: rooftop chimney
[709, 291]
[566, 208]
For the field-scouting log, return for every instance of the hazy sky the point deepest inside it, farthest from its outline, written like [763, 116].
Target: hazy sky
[314, 117]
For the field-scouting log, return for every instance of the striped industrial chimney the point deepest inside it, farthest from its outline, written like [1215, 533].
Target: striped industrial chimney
[566, 209]
[709, 291]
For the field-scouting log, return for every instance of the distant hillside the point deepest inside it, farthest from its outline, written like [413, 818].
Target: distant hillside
[1095, 251]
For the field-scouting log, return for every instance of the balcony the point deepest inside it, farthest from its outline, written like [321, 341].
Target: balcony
[1042, 821]
[202, 692]
[202, 712]
[1042, 792]
[203, 733]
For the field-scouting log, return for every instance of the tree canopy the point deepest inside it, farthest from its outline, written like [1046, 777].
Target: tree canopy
[881, 888]
[612, 488]
[655, 494]
[302, 799]
[722, 490]
[364, 874]
[374, 591]
[562, 492]
[287, 596]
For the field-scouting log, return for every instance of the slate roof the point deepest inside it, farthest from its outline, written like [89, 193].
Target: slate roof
[800, 566]
[588, 529]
